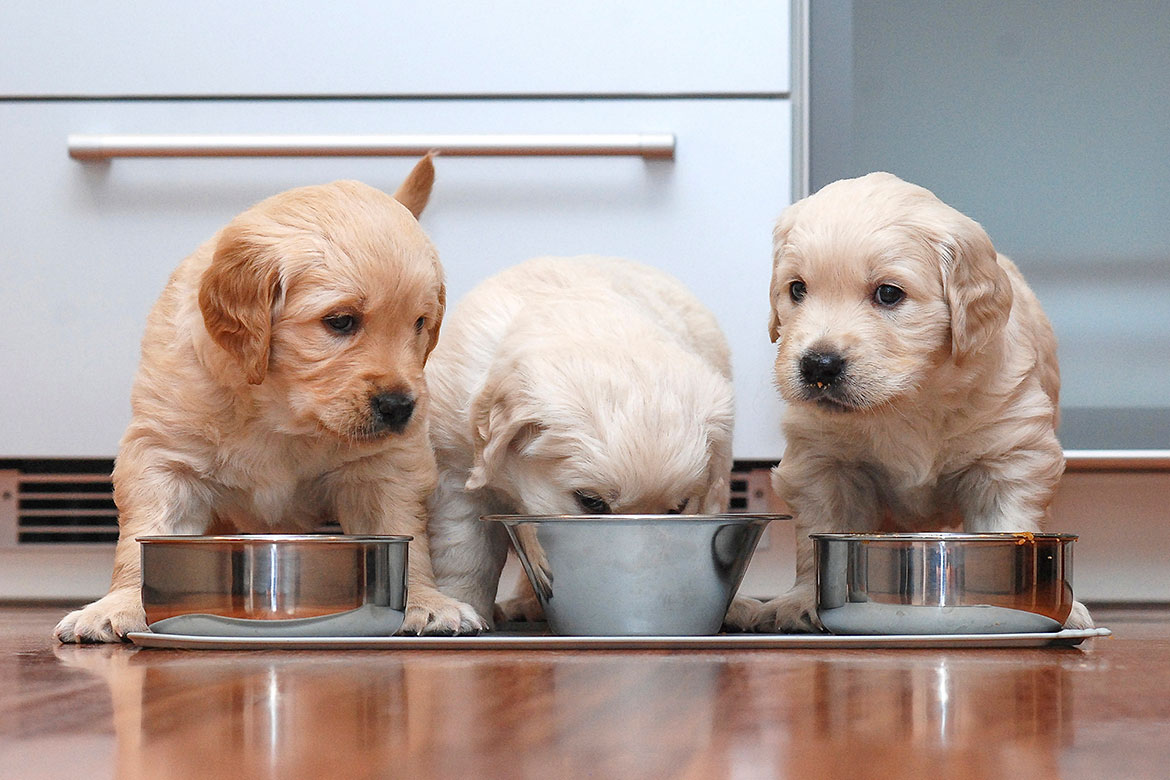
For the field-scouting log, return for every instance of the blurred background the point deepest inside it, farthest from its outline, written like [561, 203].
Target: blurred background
[1048, 123]
[673, 133]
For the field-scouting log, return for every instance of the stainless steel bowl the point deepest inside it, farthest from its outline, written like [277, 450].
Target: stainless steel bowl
[274, 584]
[943, 583]
[635, 575]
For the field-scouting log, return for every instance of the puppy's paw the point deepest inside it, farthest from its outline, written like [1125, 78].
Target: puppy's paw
[109, 619]
[1079, 617]
[524, 609]
[793, 613]
[434, 614]
[743, 614]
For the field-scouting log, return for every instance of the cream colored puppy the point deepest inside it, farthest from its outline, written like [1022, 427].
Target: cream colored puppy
[919, 372]
[281, 385]
[580, 385]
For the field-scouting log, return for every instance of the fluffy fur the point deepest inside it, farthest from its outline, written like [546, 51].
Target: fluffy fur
[562, 382]
[919, 372]
[281, 385]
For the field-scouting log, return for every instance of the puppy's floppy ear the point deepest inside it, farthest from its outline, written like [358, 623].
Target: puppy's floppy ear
[501, 423]
[718, 495]
[237, 295]
[977, 289]
[437, 321]
[779, 237]
[416, 190]
[773, 315]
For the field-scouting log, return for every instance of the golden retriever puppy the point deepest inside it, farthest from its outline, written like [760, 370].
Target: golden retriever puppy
[919, 372]
[580, 385]
[281, 386]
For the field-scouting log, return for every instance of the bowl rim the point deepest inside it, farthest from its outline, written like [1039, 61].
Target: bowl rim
[181, 539]
[1018, 537]
[729, 517]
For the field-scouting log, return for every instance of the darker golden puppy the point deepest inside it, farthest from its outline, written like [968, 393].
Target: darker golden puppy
[281, 385]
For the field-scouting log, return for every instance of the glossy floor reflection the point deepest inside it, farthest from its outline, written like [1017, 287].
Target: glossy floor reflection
[1102, 710]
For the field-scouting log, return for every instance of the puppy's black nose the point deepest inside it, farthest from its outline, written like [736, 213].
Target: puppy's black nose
[821, 368]
[392, 410]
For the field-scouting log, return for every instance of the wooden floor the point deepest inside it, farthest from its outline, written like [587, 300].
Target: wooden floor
[1098, 711]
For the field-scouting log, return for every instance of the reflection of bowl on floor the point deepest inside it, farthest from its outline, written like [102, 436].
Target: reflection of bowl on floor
[274, 584]
[943, 583]
[635, 575]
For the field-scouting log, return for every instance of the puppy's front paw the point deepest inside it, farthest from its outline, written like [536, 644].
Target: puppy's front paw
[1079, 618]
[793, 613]
[109, 619]
[435, 614]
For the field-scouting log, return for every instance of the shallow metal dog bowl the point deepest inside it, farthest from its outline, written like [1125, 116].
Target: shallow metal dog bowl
[635, 575]
[274, 584]
[943, 583]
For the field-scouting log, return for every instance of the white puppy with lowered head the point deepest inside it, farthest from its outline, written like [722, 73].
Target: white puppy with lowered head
[281, 386]
[919, 372]
[581, 385]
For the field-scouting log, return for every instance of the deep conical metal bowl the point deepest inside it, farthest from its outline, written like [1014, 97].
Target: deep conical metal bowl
[635, 575]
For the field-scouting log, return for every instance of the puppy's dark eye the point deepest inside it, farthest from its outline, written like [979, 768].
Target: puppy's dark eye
[678, 510]
[341, 323]
[888, 294]
[591, 502]
[796, 291]
[419, 324]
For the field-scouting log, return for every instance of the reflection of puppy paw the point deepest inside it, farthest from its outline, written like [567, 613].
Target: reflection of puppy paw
[541, 578]
[793, 613]
[432, 613]
[109, 619]
[539, 573]
[742, 614]
[524, 609]
[1079, 618]
[100, 659]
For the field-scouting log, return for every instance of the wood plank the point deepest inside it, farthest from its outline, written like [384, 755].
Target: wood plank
[1095, 711]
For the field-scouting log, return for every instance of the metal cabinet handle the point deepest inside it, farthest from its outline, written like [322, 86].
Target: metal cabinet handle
[1117, 460]
[107, 147]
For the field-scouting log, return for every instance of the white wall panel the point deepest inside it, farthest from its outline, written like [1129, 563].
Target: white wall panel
[88, 246]
[389, 47]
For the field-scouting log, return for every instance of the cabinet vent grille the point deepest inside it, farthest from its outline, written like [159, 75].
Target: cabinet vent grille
[57, 501]
[71, 501]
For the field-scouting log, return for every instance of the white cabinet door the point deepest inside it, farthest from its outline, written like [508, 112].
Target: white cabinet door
[222, 48]
[86, 247]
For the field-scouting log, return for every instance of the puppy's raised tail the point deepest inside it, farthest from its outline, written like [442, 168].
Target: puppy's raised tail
[416, 190]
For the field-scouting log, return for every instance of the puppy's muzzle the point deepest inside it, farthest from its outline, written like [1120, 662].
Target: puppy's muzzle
[392, 411]
[821, 369]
